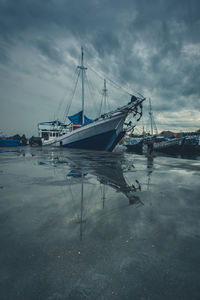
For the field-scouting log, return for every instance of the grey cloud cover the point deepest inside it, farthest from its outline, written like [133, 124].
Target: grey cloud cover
[149, 46]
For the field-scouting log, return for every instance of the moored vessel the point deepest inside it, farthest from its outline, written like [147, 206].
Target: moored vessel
[103, 133]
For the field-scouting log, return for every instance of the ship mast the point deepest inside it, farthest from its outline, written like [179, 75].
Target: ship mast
[82, 68]
[103, 102]
[105, 94]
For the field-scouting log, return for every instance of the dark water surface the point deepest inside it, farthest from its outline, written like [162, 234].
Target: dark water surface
[94, 225]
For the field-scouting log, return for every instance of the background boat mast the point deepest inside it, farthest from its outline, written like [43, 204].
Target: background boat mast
[82, 68]
[150, 115]
[152, 121]
[103, 102]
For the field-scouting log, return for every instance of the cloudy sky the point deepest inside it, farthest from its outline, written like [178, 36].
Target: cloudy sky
[149, 46]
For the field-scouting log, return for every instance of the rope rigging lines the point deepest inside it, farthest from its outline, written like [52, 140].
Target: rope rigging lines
[73, 93]
[94, 91]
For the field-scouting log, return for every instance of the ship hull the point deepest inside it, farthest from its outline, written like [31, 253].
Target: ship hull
[101, 135]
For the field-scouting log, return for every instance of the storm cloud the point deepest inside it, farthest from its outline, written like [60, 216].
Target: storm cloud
[152, 47]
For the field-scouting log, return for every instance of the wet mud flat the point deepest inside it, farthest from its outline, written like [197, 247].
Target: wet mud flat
[97, 225]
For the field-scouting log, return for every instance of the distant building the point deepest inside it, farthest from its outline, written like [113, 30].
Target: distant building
[170, 134]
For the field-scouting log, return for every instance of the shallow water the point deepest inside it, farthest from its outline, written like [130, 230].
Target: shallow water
[96, 225]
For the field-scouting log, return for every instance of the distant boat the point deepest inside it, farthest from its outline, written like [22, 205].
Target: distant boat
[184, 146]
[9, 142]
[13, 141]
[49, 131]
[136, 143]
[103, 133]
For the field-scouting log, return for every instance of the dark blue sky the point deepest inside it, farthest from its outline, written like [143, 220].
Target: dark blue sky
[148, 46]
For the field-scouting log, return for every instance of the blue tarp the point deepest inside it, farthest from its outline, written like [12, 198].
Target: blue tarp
[10, 142]
[77, 118]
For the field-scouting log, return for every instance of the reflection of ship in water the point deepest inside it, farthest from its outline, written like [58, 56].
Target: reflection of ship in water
[98, 184]
[150, 159]
[108, 170]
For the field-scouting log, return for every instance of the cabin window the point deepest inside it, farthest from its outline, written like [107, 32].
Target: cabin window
[45, 135]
